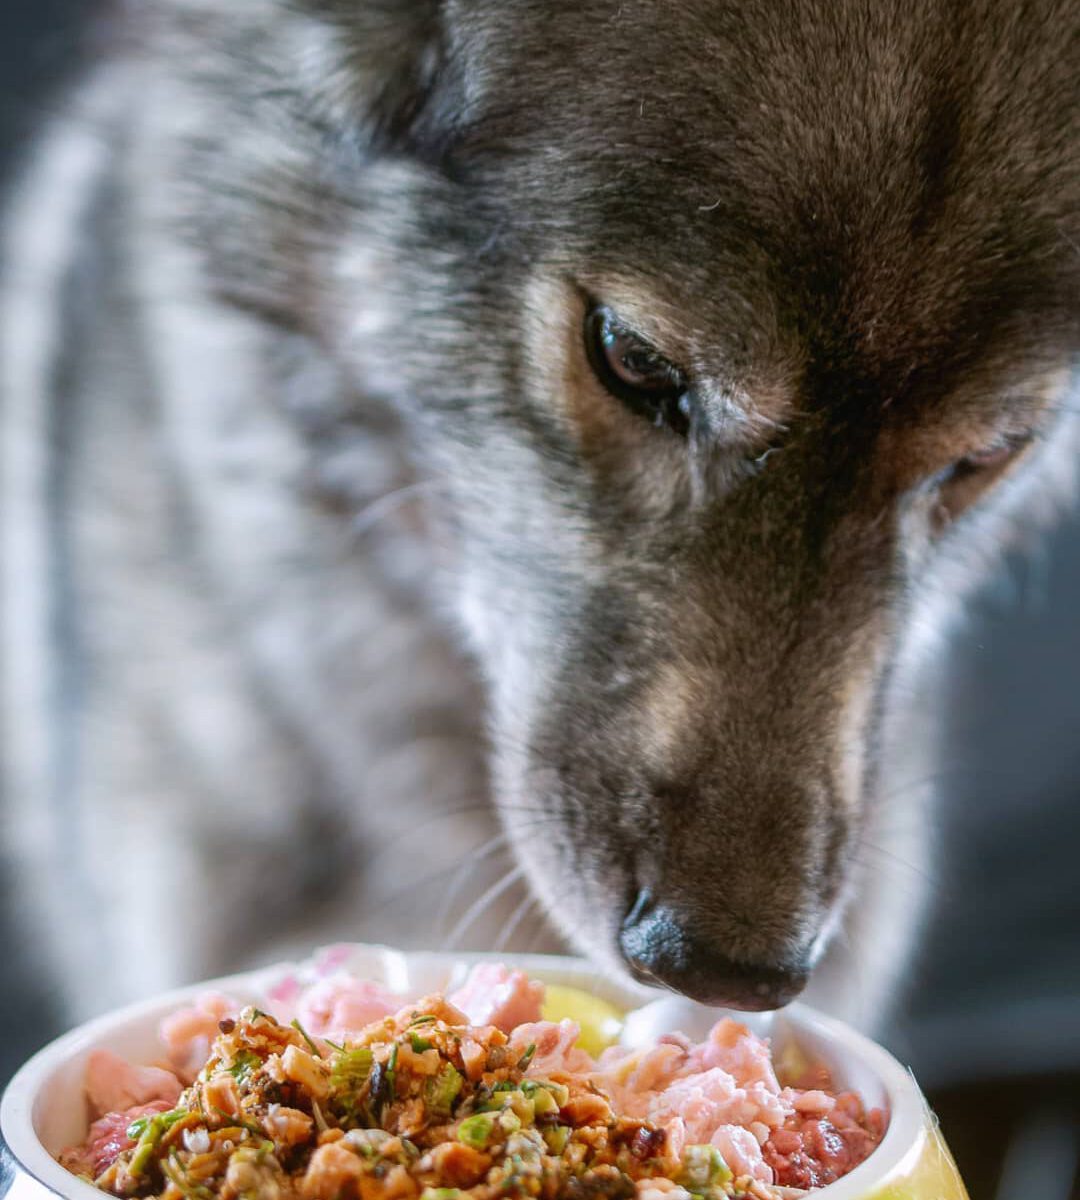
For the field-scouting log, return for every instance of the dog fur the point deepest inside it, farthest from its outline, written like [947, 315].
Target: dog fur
[322, 543]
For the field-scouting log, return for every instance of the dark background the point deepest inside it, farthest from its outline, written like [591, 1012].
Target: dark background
[991, 1017]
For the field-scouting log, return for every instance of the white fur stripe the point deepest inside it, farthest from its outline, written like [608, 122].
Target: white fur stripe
[45, 221]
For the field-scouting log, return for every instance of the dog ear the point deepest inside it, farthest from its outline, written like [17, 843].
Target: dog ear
[403, 86]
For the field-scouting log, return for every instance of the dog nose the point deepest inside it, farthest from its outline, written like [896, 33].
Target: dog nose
[659, 948]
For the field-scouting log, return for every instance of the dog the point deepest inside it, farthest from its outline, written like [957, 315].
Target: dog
[440, 427]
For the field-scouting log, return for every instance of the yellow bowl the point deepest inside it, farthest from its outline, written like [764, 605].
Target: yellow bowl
[44, 1107]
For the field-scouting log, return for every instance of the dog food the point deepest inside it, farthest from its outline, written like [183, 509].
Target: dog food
[346, 1092]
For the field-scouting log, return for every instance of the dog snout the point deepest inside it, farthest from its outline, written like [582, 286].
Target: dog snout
[660, 945]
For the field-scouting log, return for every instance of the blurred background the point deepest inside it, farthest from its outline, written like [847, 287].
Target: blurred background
[990, 1018]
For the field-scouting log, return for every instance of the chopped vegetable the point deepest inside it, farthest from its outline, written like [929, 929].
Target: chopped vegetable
[304, 1034]
[703, 1167]
[509, 1120]
[556, 1138]
[152, 1133]
[349, 1069]
[443, 1089]
[476, 1131]
[243, 1064]
[391, 1073]
[137, 1128]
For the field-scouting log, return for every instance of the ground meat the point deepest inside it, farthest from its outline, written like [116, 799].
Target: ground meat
[813, 1152]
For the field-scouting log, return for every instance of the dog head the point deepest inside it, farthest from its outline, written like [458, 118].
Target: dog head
[722, 323]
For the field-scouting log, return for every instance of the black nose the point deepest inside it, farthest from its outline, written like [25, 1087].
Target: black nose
[660, 947]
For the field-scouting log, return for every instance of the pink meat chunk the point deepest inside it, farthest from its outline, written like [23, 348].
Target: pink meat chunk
[724, 1092]
[555, 1048]
[342, 1005]
[742, 1152]
[113, 1085]
[188, 1033]
[281, 999]
[107, 1140]
[494, 995]
[732, 1047]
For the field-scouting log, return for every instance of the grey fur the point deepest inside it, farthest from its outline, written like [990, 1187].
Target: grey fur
[325, 251]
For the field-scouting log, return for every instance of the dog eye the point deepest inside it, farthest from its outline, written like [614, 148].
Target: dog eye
[997, 455]
[991, 458]
[635, 373]
[968, 478]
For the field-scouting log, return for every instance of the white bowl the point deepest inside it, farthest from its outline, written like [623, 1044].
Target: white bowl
[44, 1108]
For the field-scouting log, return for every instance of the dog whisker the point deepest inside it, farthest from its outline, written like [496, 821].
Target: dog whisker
[478, 908]
[470, 863]
[528, 904]
[378, 510]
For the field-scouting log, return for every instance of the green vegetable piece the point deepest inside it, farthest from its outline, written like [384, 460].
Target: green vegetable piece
[704, 1167]
[443, 1089]
[559, 1090]
[243, 1065]
[418, 1043]
[427, 1019]
[295, 1023]
[544, 1103]
[391, 1074]
[144, 1151]
[156, 1128]
[522, 1106]
[137, 1128]
[174, 1170]
[231, 1122]
[476, 1131]
[527, 1057]
[434, 1193]
[349, 1069]
[557, 1138]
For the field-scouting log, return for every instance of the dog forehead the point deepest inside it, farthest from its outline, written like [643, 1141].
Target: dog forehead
[884, 178]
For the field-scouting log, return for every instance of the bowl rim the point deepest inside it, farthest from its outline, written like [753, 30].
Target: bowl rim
[910, 1121]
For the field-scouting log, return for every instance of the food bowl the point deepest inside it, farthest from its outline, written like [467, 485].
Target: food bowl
[44, 1108]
